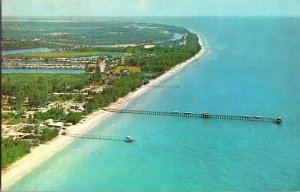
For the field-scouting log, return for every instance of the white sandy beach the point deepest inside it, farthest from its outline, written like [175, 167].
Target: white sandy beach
[43, 152]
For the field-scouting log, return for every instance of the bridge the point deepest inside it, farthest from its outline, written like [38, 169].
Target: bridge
[277, 120]
[127, 139]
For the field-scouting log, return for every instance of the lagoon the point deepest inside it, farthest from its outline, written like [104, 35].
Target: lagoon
[34, 50]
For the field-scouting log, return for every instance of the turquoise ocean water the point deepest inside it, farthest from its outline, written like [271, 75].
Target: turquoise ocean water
[252, 68]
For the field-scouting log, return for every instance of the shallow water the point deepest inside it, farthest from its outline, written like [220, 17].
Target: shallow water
[33, 50]
[252, 68]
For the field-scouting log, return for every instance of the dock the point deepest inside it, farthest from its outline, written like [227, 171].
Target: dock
[127, 139]
[205, 115]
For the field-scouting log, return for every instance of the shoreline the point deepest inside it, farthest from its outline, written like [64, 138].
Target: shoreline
[40, 154]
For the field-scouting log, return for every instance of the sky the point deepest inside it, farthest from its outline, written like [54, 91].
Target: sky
[290, 8]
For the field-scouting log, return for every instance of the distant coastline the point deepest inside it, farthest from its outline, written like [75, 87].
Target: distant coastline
[42, 153]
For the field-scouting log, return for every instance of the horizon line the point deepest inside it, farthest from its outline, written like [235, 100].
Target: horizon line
[110, 16]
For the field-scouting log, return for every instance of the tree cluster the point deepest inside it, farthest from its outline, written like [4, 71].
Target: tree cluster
[11, 150]
[48, 134]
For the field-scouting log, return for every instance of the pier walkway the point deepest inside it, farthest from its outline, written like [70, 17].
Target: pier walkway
[165, 86]
[277, 120]
[127, 139]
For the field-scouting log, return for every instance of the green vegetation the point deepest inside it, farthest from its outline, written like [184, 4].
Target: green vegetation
[116, 89]
[131, 69]
[12, 121]
[67, 54]
[11, 118]
[37, 87]
[54, 113]
[48, 134]
[20, 35]
[152, 66]
[29, 129]
[144, 64]
[163, 58]
[69, 78]
[73, 117]
[59, 114]
[12, 150]
[19, 44]
[127, 68]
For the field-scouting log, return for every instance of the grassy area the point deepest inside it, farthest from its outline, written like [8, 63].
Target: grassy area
[67, 54]
[34, 76]
[12, 121]
[131, 69]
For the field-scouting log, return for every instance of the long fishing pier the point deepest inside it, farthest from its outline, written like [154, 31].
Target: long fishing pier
[165, 86]
[127, 139]
[277, 120]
